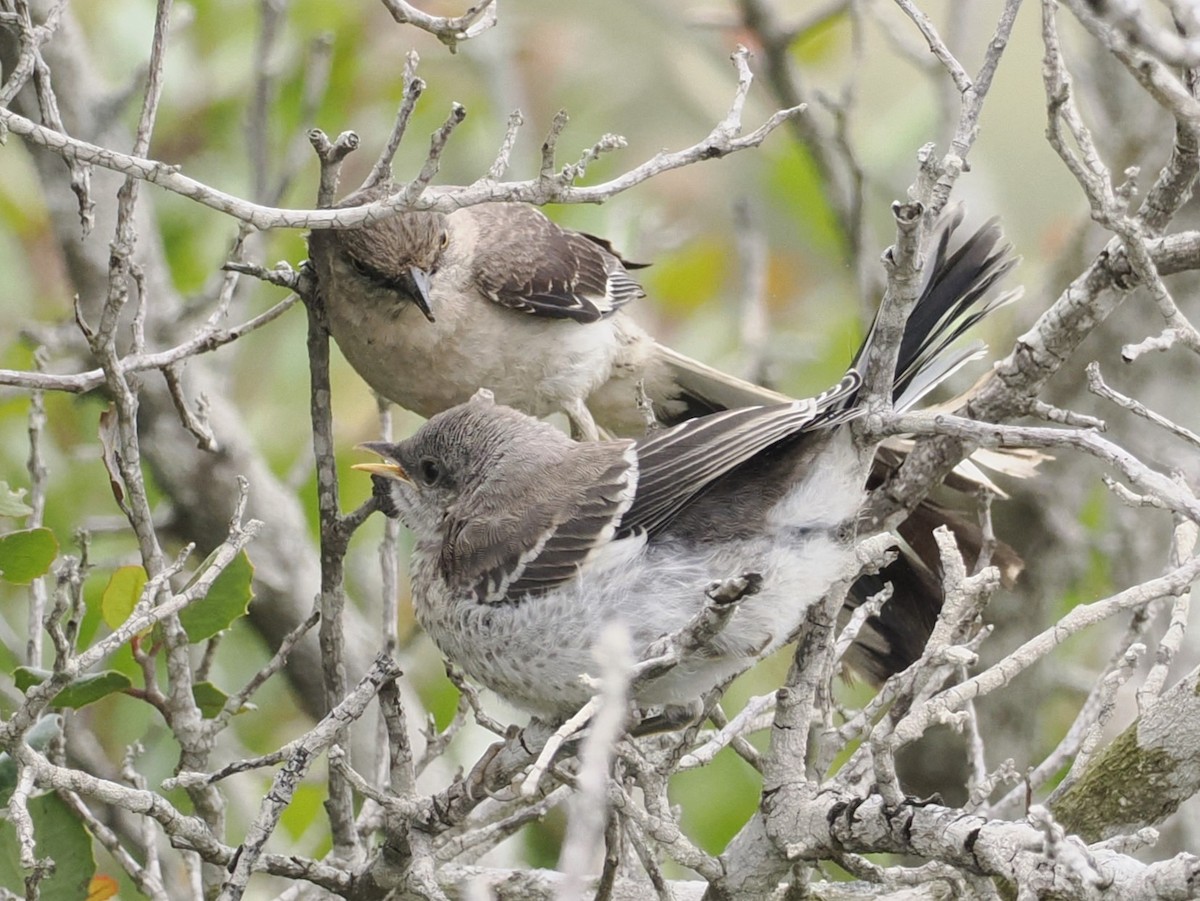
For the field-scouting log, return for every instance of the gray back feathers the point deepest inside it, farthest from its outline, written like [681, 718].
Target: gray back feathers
[518, 507]
[525, 262]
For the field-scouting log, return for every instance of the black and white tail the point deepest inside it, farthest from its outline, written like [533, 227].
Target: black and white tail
[949, 305]
[954, 297]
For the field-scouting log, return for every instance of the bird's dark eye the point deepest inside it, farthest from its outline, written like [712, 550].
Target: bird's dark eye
[445, 240]
[429, 471]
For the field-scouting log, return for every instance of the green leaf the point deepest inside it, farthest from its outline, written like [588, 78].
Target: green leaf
[210, 699]
[307, 807]
[121, 594]
[227, 600]
[26, 555]
[60, 836]
[89, 689]
[26, 677]
[11, 503]
[78, 692]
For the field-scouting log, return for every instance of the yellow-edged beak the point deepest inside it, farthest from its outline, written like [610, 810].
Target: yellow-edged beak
[389, 470]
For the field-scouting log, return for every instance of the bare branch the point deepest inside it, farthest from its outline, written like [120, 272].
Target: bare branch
[381, 172]
[962, 81]
[300, 758]
[559, 189]
[450, 31]
[203, 342]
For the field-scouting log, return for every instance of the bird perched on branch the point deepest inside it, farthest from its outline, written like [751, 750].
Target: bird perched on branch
[428, 307]
[528, 543]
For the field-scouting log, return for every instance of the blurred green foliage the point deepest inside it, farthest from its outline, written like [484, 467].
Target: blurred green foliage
[54, 826]
[626, 66]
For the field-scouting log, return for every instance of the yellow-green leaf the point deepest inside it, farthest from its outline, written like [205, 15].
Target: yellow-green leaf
[121, 594]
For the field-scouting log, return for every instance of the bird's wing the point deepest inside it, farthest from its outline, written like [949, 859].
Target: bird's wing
[674, 465]
[525, 262]
[537, 544]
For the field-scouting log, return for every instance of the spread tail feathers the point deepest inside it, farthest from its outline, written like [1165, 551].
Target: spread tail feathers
[949, 305]
[954, 297]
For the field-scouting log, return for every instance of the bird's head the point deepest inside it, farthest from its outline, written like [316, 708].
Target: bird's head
[463, 463]
[400, 254]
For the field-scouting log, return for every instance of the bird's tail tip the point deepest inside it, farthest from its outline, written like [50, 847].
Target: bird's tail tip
[958, 293]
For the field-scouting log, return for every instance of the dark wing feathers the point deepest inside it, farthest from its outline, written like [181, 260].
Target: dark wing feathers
[537, 267]
[603, 490]
[607, 245]
[573, 541]
[674, 465]
[530, 550]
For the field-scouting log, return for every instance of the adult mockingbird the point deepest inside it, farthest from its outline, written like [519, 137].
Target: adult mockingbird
[429, 307]
[529, 543]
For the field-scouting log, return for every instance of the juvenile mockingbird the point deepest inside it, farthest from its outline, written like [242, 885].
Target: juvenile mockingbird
[429, 307]
[528, 543]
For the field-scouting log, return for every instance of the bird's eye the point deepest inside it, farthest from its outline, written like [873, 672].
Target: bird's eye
[445, 240]
[360, 267]
[429, 471]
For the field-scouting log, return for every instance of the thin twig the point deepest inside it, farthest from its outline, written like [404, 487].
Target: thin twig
[450, 31]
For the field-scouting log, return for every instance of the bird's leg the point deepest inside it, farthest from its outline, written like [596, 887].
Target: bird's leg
[646, 407]
[583, 426]
[477, 781]
[568, 730]
[503, 759]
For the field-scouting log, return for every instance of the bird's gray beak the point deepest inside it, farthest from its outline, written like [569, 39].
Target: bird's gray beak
[389, 470]
[419, 279]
